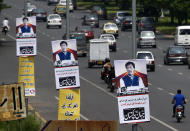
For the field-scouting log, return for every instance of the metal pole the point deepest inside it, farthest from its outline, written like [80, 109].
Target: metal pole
[8, 126]
[134, 126]
[67, 20]
[24, 8]
[26, 101]
[20, 124]
[134, 29]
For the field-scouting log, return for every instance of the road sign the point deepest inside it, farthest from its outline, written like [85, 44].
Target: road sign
[69, 104]
[61, 125]
[12, 102]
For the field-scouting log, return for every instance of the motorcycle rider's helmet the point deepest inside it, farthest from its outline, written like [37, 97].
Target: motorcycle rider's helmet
[107, 60]
[6, 18]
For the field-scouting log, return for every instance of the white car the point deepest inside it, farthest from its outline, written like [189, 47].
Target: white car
[149, 57]
[147, 38]
[111, 40]
[63, 2]
[54, 20]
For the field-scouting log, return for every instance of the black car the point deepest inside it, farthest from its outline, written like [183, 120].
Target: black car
[175, 54]
[91, 20]
[81, 42]
[127, 23]
[41, 14]
[146, 24]
[100, 11]
[52, 2]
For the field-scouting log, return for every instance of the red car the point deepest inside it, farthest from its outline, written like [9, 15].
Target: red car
[89, 33]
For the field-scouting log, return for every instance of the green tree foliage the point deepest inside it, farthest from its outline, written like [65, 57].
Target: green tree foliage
[3, 6]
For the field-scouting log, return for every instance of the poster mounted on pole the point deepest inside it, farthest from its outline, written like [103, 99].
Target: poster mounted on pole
[67, 77]
[69, 104]
[64, 53]
[26, 74]
[133, 99]
[134, 108]
[26, 36]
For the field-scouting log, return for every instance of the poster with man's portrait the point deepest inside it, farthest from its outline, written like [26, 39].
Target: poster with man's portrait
[26, 27]
[131, 76]
[64, 53]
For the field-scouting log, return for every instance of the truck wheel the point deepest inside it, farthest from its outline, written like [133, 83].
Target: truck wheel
[84, 54]
[89, 65]
[114, 49]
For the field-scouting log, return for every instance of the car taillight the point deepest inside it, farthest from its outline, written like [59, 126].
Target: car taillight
[126, 22]
[179, 110]
[60, 21]
[154, 38]
[141, 25]
[152, 62]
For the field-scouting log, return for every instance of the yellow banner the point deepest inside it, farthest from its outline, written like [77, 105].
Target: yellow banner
[69, 104]
[26, 74]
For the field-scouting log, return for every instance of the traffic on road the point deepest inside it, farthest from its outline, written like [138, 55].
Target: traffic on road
[100, 41]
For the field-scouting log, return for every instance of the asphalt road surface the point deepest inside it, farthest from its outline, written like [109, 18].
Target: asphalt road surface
[97, 103]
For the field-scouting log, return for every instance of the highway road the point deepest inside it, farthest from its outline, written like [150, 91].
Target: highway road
[97, 103]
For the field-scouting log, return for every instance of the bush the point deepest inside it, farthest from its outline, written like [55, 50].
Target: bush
[28, 124]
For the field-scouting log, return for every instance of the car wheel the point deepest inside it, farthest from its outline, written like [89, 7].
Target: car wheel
[47, 26]
[153, 68]
[114, 49]
[154, 46]
[59, 26]
[84, 54]
[189, 66]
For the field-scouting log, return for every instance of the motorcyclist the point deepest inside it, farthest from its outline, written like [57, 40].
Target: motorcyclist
[5, 23]
[178, 99]
[106, 67]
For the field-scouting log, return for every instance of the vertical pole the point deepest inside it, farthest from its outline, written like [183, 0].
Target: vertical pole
[67, 20]
[8, 126]
[24, 8]
[134, 126]
[26, 100]
[20, 124]
[134, 29]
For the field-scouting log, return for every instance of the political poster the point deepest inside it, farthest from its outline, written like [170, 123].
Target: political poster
[12, 102]
[67, 77]
[26, 27]
[26, 36]
[64, 53]
[131, 76]
[69, 104]
[26, 74]
[134, 108]
[26, 47]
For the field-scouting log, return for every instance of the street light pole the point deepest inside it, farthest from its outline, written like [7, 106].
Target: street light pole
[134, 29]
[67, 20]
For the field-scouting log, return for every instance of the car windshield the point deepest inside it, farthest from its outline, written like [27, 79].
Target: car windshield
[123, 14]
[61, 8]
[147, 20]
[184, 32]
[91, 17]
[108, 26]
[54, 17]
[129, 18]
[144, 56]
[177, 50]
[38, 11]
[107, 37]
[147, 34]
[86, 28]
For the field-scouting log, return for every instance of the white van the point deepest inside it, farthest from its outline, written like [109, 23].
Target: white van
[182, 36]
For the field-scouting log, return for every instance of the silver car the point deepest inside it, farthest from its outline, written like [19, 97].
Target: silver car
[120, 16]
[147, 38]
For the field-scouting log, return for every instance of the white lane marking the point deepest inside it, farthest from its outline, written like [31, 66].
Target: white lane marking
[163, 123]
[170, 69]
[172, 94]
[180, 73]
[159, 121]
[149, 84]
[160, 89]
[85, 118]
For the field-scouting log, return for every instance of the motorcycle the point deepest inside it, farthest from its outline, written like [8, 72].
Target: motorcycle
[179, 113]
[105, 74]
[111, 80]
[5, 30]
